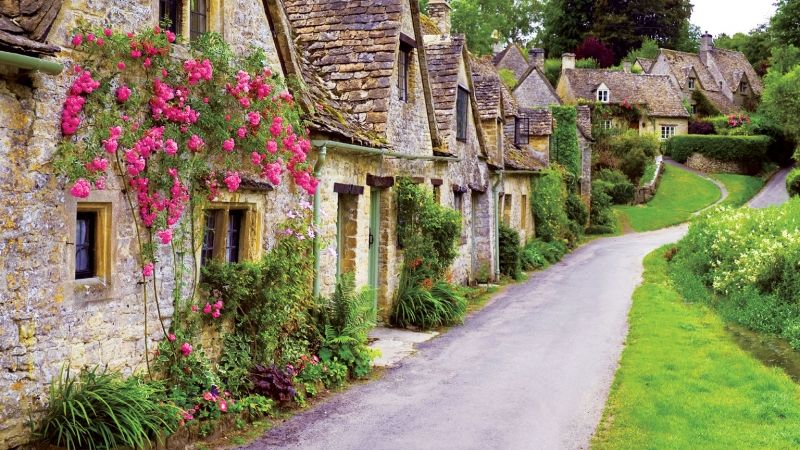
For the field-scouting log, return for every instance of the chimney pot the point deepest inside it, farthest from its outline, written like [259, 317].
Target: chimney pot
[439, 11]
[537, 57]
[567, 61]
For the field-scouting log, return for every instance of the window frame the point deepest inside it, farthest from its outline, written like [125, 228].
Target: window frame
[508, 202]
[667, 131]
[184, 16]
[175, 14]
[88, 244]
[691, 83]
[603, 95]
[221, 214]
[403, 64]
[523, 212]
[522, 124]
[462, 113]
[100, 257]
[193, 14]
[743, 87]
[607, 124]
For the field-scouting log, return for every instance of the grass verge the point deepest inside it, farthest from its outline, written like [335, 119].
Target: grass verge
[679, 195]
[684, 384]
[741, 188]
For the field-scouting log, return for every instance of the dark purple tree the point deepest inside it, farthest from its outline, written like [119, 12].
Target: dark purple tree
[591, 47]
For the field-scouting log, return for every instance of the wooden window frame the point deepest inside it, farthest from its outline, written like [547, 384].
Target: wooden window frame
[101, 260]
[522, 128]
[403, 64]
[201, 16]
[691, 83]
[743, 87]
[607, 124]
[185, 14]
[508, 201]
[523, 212]
[462, 113]
[667, 131]
[602, 95]
[221, 213]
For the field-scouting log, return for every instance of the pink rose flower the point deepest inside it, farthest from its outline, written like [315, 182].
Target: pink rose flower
[100, 42]
[100, 184]
[171, 337]
[186, 349]
[241, 132]
[223, 406]
[107, 32]
[123, 93]
[147, 270]
[165, 236]
[232, 181]
[195, 143]
[208, 396]
[254, 118]
[215, 314]
[121, 66]
[81, 188]
[255, 158]
[194, 308]
[219, 304]
[170, 147]
[77, 40]
[227, 145]
[207, 309]
[170, 36]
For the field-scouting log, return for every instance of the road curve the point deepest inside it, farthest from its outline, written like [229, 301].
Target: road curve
[532, 370]
[774, 192]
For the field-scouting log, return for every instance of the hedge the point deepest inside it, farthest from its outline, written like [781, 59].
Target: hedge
[725, 148]
[793, 182]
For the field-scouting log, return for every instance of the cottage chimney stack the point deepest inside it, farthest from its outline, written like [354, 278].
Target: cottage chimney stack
[706, 45]
[626, 66]
[567, 61]
[537, 58]
[439, 11]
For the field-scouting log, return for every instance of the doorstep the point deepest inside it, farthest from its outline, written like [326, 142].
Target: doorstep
[396, 344]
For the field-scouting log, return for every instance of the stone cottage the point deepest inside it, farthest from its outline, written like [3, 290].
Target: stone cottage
[643, 102]
[533, 89]
[514, 59]
[725, 77]
[49, 312]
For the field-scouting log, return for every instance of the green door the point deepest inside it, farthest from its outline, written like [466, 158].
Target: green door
[374, 244]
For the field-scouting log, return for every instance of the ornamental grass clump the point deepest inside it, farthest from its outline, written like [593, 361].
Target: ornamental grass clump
[97, 409]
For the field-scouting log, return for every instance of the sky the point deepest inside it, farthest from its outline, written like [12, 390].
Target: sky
[731, 16]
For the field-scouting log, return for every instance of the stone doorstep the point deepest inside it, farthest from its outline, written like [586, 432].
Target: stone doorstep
[396, 344]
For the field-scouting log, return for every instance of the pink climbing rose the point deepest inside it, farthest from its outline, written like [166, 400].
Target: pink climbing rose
[81, 188]
[227, 145]
[147, 270]
[232, 181]
[207, 309]
[165, 236]
[123, 93]
[186, 349]
[171, 337]
[195, 143]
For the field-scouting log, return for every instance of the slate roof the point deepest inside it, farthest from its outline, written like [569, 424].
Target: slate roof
[653, 91]
[347, 55]
[24, 25]
[533, 70]
[733, 65]
[680, 64]
[540, 121]
[443, 56]
[646, 63]
[487, 87]
[519, 159]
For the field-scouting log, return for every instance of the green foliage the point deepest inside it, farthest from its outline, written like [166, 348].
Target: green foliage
[601, 217]
[346, 320]
[747, 149]
[485, 22]
[564, 149]
[756, 45]
[576, 210]
[564, 25]
[703, 106]
[548, 200]
[510, 252]
[99, 410]
[793, 182]
[781, 100]
[621, 190]
[254, 407]
[648, 50]
[552, 70]
[783, 59]
[186, 378]
[741, 188]
[749, 259]
[784, 22]
[427, 305]
[634, 151]
[538, 254]
[507, 77]
[235, 363]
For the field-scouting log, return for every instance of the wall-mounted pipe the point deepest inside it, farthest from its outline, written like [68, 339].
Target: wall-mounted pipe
[30, 63]
[361, 150]
[321, 156]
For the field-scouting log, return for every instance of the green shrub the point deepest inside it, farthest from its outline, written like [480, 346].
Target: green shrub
[793, 182]
[747, 149]
[601, 216]
[509, 252]
[621, 189]
[427, 306]
[538, 254]
[703, 105]
[101, 410]
[577, 212]
[565, 149]
[634, 152]
[507, 77]
[548, 203]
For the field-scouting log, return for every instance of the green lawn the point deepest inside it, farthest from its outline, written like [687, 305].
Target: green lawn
[684, 384]
[679, 195]
[741, 188]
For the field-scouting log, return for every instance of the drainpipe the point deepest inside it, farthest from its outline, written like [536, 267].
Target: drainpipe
[323, 152]
[496, 195]
[30, 63]
[361, 150]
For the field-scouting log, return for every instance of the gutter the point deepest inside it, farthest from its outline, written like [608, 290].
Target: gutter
[323, 153]
[30, 63]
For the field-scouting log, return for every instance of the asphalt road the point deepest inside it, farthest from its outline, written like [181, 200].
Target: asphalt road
[532, 370]
[774, 192]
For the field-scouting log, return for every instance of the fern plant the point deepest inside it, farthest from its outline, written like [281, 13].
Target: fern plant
[100, 410]
[346, 321]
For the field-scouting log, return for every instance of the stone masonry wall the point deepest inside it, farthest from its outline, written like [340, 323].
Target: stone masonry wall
[47, 319]
[705, 164]
[519, 214]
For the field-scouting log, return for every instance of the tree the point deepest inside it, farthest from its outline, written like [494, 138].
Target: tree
[781, 100]
[564, 24]
[756, 46]
[592, 48]
[509, 20]
[785, 24]
[623, 24]
[649, 50]
[689, 38]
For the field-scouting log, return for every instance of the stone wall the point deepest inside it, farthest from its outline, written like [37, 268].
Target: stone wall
[518, 215]
[643, 194]
[703, 163]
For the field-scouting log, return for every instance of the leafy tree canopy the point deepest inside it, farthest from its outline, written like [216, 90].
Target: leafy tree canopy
[485, 22]
[649, 50]
[756, 46]
[785, 24]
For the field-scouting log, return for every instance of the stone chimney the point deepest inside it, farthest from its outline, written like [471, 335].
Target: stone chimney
[439, 11]
[626, 66]
[537, 57]
[567, 61]
[706, 45]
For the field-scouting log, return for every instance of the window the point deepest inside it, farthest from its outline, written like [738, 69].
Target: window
[458, 201]
[462, 105]
[720, 84]
[693, 109]
[499, 129]
[225, 236]
[170, 11]
[523, 208]
[667, 131]
[690, 84]
[602, 95]
[607, 124]
[85, 246]
[743, 87]
[437, 193]
[521, 131]
[198, 18]
[507, 209]
[402, 72]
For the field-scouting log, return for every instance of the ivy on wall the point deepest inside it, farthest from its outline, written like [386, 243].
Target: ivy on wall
[564, 149]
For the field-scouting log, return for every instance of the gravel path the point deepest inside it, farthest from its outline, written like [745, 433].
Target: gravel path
[532, 370]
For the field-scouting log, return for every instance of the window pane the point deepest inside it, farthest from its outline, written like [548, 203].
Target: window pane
[169, 11]
[461, 114]
[84, 244]
[207, 252]
[234, 232]
[402, 75]
[197, 13]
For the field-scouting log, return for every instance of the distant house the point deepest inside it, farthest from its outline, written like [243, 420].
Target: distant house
[648, 103]
[643, 64]
[724, 77]
[533, 89]
[512, 58]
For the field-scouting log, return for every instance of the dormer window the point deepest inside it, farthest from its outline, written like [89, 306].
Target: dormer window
[407, 46]
[743, 87]
[462, 105]
[521, 131]
[602, 95]
[690, 84]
